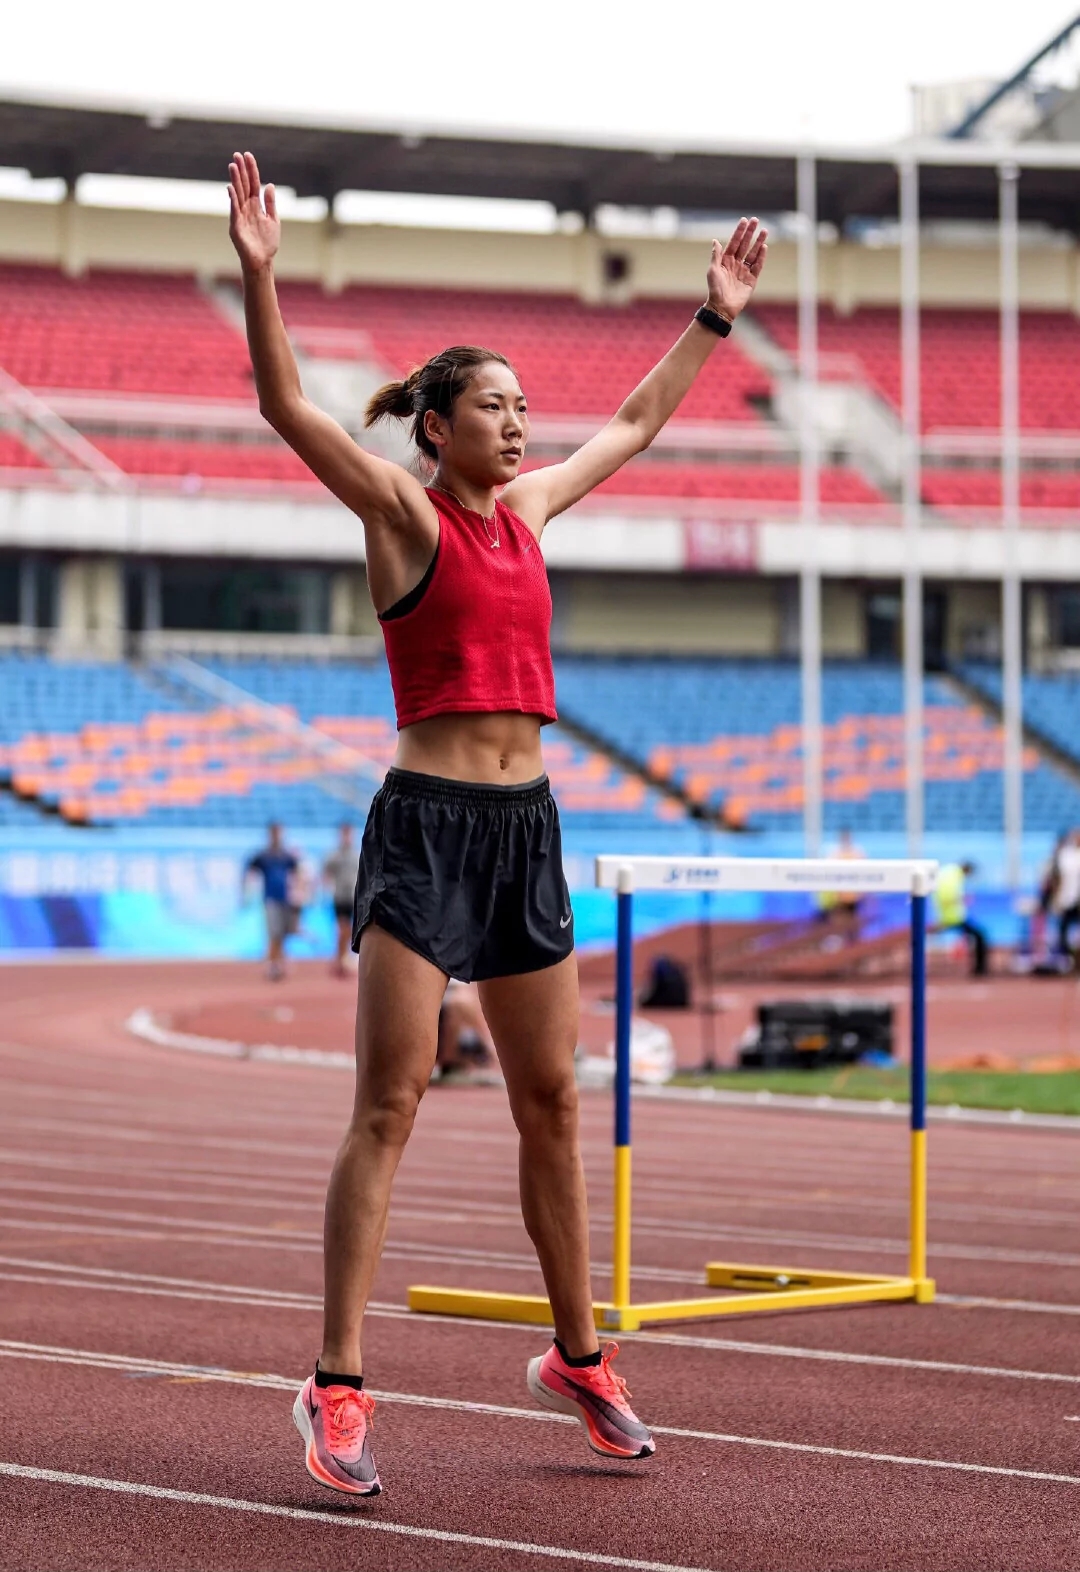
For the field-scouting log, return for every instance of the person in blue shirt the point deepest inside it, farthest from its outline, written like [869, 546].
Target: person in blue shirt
[277, 867]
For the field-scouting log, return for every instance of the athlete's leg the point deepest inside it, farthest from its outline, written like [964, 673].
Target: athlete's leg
[534, 1024]
[397, 1016]
[275, 939]
[344, 940]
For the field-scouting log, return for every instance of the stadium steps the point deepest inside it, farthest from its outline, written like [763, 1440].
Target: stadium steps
[48, 812]
[1052, 752]
[876, 456]
[630, 765]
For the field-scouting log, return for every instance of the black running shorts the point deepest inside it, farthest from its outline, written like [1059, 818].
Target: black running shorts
[470, 877]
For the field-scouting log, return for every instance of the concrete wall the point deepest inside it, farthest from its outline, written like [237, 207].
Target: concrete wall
[90, 608]
[638, 612]
[74, 237]
[843, 619]
[351, 612]
[973, 620]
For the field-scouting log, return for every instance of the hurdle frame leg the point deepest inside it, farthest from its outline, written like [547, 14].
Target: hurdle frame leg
[924, 1285]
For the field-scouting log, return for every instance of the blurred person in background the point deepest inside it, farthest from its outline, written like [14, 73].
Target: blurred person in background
[1047, 894]
[339, 872]
[1065, 900]
[465, 1044]
[461, 867]
[277, 867]
[951, 912]
[841, 908]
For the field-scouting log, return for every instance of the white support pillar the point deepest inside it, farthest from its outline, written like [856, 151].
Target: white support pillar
[910, 475]
[1011, 589]
[809, 498]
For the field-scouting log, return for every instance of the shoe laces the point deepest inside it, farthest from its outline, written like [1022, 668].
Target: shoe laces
[606, 1377]
[348, 1412]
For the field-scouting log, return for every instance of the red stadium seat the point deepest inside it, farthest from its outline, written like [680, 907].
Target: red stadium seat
[119, 332]
[573, 359]
[961, 385]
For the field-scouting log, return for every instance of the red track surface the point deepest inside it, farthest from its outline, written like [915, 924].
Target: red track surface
[160, 1207]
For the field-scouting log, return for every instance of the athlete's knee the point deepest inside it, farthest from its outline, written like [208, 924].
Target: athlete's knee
[386, 1114]
[548, 1109]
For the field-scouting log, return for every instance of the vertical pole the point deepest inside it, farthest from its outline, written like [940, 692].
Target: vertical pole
[911, 445]
[809, 499]
[1011, 613]
[917, 1258]
[624, 1005]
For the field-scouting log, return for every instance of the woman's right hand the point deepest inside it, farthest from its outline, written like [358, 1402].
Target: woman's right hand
[254, 230]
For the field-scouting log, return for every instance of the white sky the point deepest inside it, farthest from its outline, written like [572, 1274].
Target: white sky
[837, 70]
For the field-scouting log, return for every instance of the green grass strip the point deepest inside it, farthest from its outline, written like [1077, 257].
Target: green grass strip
[1057, 1092]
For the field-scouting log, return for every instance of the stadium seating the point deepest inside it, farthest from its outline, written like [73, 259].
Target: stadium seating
[14, 454]
[101, 743]
[104, 747]
[966, 488]
[728, 732]
[270, 461]
[647, 477]
[961, 383]
[118, 332]
[573, 359]
[1051, 702]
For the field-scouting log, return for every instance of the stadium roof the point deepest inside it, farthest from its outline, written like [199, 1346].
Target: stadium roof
[957, 181]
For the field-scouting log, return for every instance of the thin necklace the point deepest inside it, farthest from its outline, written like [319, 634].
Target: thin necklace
[494, 519]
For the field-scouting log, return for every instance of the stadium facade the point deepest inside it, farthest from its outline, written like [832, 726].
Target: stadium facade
[809, 496]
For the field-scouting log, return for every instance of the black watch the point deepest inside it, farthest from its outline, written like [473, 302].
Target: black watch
[713, 321]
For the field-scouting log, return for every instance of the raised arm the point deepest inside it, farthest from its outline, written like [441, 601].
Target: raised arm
[378, 491]
[733, 273]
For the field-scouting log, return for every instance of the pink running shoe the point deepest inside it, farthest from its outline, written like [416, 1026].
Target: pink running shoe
[334, 1422]
[596, 1396]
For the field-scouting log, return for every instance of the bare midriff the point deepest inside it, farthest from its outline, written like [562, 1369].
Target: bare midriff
[499, 749]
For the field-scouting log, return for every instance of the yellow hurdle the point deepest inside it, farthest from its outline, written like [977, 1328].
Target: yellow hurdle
[742, 1288]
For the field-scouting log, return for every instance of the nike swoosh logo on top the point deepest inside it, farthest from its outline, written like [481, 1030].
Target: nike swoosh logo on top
[564, 922]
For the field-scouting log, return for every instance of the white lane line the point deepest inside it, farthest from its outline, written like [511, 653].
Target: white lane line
[116, 1274]
[294, 1241]
[282, 1195]
[243, 1233]
[505, 1411]
[397, 1250]
[836, 1356]
[272, 1190]
[127, 1487]
[1029, 1306]
[271, 1298]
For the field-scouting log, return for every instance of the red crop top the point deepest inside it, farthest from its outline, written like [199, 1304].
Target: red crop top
[479, 638]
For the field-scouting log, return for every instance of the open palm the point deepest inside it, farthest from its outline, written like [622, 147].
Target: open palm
[254, 229]
[735, 268]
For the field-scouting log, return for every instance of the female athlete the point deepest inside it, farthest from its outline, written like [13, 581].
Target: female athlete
[461, 863]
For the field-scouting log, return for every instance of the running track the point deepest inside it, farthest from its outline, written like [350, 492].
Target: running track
[159, 1292]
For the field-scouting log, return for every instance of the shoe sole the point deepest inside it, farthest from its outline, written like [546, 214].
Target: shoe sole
[302, 1421]
[566, 1405]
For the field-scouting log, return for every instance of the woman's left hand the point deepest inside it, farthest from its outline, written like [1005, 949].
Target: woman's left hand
[735, 268]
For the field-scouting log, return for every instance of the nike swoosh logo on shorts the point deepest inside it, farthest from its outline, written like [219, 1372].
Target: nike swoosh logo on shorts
[564, 922]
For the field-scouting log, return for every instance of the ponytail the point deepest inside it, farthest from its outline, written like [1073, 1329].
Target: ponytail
[434, 386]
[393, 401]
